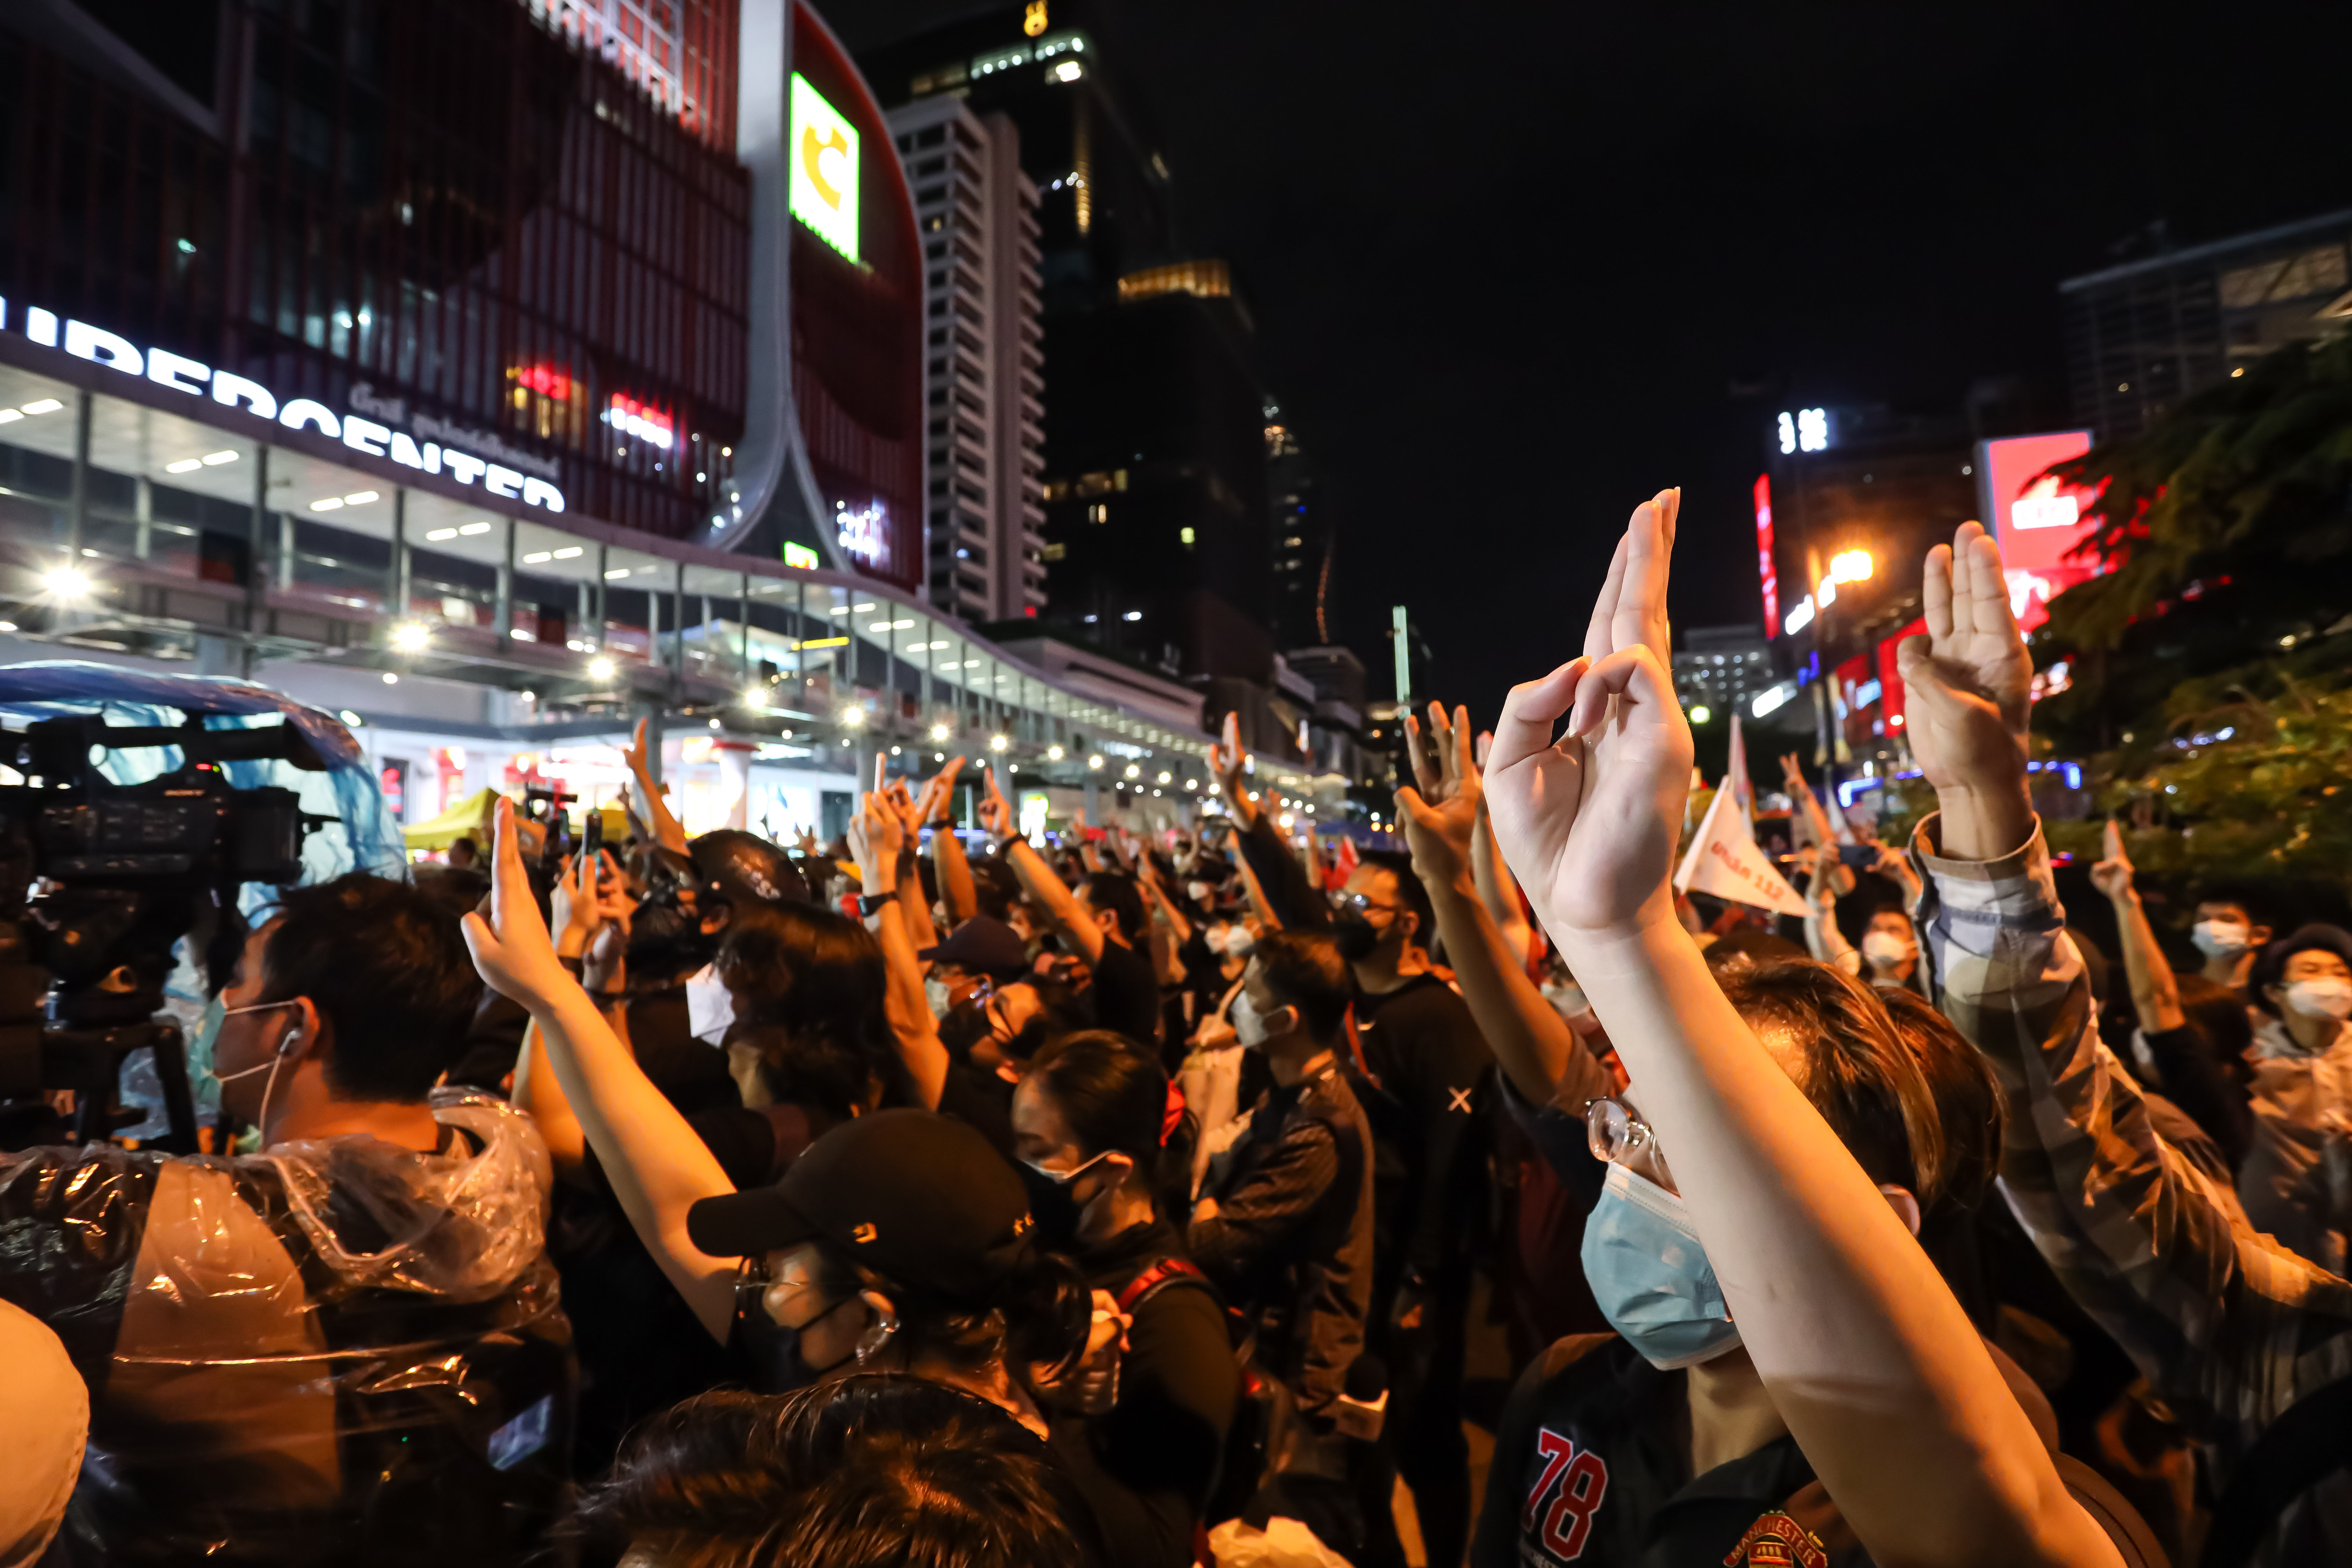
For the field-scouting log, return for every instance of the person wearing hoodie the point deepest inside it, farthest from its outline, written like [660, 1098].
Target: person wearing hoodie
[2296, 1180]
[347, 1346]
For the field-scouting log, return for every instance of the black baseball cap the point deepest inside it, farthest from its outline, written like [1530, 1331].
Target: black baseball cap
[922, 1199]
[983, 945]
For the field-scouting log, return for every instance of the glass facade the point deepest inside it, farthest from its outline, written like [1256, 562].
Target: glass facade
[429, 210]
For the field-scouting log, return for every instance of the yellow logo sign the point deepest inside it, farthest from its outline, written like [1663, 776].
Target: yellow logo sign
[1032, 19]
[824, 179]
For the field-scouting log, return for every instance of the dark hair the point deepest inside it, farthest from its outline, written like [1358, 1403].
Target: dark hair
[2254, 903]
[459, 889]
[1115, 891]
[812, 1070]
[1042, 1314]
[1303, 969]
[465, 843]
[2270, 964]
[866, 1471]
[1910, 1099]
[995, 889]
[1061, 1010]
[1410, 893]
[810, 971]
[1111, 1094]
[386, 968]
[1889, 907]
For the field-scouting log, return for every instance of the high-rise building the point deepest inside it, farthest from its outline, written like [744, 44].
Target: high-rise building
[1103, 182]
[2143, 335]
[984, 396]
[1300, 540]
[1722, 668]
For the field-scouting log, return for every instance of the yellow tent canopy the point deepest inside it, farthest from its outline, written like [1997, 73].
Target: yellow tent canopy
[466, 818]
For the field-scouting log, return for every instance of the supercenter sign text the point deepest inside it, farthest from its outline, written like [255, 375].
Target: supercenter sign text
[355, 429]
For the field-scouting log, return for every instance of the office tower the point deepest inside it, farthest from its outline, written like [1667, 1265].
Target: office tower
[2143, 335]
[977, 214]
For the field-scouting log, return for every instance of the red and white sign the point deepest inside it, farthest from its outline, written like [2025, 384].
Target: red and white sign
[2036, 520]
[1764, 570]
[1726, 862]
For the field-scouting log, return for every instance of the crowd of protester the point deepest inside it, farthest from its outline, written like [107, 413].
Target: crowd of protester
[1137, 1198]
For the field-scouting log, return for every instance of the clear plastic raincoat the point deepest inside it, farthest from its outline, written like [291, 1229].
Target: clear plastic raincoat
[334, 1352]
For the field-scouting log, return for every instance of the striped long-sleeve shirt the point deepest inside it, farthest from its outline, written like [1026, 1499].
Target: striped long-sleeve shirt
[2229, 1327]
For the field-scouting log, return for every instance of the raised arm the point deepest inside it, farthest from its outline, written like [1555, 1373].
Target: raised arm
[2227, 1325]
[875, 837]
[657, 1165]
[1156, 888]
[668, 832]
[1442, 821]
[1877, 1372]
[1054, 901]
[1811, 821]
[2156, 997]
[1823, 940]
[948, 862]
[1228, 763]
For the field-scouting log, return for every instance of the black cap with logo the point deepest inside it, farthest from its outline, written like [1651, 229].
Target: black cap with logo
[922, 1199]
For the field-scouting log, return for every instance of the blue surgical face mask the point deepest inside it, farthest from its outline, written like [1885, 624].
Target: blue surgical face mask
[1651, 1277]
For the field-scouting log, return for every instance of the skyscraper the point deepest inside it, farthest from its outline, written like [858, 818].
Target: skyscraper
[1300, 537]
[985, 400]
[2143, 335]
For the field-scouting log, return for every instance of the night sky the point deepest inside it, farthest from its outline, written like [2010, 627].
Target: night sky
[1516, 267]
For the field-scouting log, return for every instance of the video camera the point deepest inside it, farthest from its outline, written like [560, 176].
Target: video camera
[123, 871]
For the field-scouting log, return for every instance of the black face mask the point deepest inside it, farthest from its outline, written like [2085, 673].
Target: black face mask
[1356, 936]
[775, 1350]
[965, 1025]
[1051, 1205]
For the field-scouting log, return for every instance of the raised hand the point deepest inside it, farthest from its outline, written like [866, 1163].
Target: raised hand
[1587, 823]
[1966, 688]
[1441, 817]
[995, 811]
[576, 906]
[636, 753]
[2112, 872]
[1793, 774]
[511, 949]
[938, 793]
[1970, 676]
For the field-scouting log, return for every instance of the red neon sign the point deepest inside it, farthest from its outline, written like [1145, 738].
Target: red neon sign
[2037, 520]
[641, 420]
[547, 381]
[1771, 579]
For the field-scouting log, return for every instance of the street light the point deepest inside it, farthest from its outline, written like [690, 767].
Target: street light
[853, 716]
[600, 668]
[939, 732]
[1094, 761]
[1701, 714]
[66, 583]
[998, 743]
[1052, 754]
[410, 637]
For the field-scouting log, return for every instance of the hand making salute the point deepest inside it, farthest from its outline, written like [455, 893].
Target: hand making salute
[1102, 922]
[898, 1242]
[2231, 1329]
[1735, 1222]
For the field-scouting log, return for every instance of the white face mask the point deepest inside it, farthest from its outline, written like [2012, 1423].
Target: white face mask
[1886, 950]
[2321, 999]
[1199, 892]
[936, 992]
[709, 1010]
[2221, 939]
[1256, 1028]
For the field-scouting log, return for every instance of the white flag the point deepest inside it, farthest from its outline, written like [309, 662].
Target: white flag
[1736, 779]
[1836, 813]
[1726, 863]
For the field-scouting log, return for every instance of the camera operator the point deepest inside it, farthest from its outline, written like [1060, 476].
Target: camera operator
[349, 1345]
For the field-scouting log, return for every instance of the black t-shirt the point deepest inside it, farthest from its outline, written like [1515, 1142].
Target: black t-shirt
[1430, 1077]
[1591, 1466]
[1126, 993]
[1178, 1382]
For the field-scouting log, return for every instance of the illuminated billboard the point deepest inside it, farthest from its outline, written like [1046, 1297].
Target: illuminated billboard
[2036, 520]
[824, 168]
[1764, 569]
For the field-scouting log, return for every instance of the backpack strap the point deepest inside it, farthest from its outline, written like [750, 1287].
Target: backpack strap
[1167, 1271]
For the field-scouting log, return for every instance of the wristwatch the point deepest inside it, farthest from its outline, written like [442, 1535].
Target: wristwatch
[872, 904]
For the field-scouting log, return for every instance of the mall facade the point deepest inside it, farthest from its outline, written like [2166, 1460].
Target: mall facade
[495, 376]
